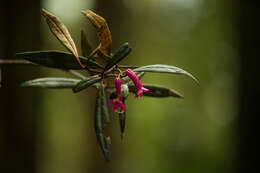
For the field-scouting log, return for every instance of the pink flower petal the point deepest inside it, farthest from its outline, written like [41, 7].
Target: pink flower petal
[138, 85]
[145, 90]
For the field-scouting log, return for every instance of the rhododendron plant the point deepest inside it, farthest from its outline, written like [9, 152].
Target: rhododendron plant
[103, 67]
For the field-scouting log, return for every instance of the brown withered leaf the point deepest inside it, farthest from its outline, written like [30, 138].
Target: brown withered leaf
[62, 33]
[103, 33]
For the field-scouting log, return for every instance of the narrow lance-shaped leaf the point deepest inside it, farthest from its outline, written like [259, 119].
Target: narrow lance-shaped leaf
[108, 143]
[56, 59]
[123, 51]
[161, 68]
[103, 32]
[99, 126]
[157, 91]
[107, 147]
[86, 83]
[122, 120]
[85, 45]
[61, 33]
[104, 106]
[51, 83]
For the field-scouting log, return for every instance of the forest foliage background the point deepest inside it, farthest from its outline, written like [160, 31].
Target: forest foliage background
[52, 131]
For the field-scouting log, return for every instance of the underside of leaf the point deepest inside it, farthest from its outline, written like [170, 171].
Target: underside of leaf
[51, 83]
[161, 68]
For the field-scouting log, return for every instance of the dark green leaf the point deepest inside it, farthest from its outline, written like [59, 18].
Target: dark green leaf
[122, 120]
[123, 51]
[86, 83]
[161, 68]
[104, 105]
[98, 113]
[107, 148]
[51, 83]
[102, 141]
[56, 59]
[157, 91]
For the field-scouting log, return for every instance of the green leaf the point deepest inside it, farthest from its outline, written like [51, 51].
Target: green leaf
[123, 51]
[56, 59]
[102, 141]
[98, 113]
[104, 107]
[86, 83]
[122, 120]
[51, 83]
[108, 143]
[157, 91]
[161, 68]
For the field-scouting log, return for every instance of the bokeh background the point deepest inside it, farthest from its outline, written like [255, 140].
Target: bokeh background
[51, 131]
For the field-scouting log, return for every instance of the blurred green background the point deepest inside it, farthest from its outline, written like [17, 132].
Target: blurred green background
[54, 128]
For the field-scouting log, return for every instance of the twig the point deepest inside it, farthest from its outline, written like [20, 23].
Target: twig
[15, 61]
[0, 76]
[79, 75]
[127, 66]
[25, 62]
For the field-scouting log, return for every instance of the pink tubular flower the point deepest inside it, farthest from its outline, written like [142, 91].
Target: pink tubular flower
[117, 102]
[138, 85]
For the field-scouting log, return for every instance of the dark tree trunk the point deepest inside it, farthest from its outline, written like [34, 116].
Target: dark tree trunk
[19, 31]
[248, 86]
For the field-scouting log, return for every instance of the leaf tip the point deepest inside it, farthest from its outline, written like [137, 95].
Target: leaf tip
[175, 94]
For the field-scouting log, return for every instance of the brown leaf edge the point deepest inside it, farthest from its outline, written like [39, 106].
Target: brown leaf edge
[61, 33]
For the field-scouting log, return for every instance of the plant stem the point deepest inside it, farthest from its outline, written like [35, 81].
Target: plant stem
[25, 62]
[77, 74]
[0, 77]
[127, 66]
[74, 73]
[15, 61]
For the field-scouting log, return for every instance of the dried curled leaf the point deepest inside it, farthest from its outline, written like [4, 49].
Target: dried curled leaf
[51, 82]
[157, 91]
[61, 33]
[103, 32]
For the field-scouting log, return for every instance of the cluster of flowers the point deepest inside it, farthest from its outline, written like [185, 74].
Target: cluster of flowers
[117, 102]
